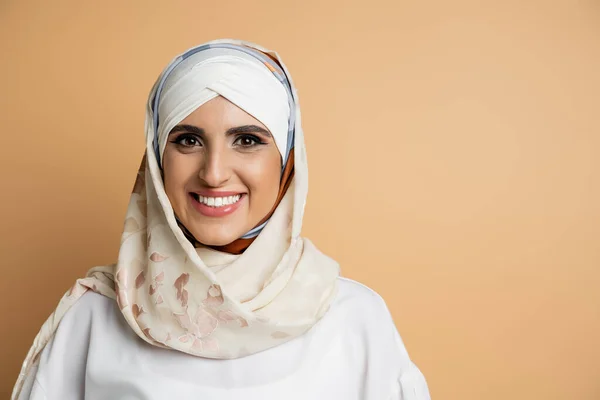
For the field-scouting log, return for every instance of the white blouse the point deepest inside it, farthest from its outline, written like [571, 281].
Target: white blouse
[353, 353]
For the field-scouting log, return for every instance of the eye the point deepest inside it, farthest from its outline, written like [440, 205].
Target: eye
[247, 141]
[187, 140]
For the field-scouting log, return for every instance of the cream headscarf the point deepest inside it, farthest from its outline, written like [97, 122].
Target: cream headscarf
[200, 301]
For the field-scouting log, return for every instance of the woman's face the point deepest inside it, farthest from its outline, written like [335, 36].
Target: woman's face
[221, 172]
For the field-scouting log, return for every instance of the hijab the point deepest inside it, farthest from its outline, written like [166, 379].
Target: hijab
[177, 294]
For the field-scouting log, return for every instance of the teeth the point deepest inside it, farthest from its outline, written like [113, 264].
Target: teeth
[219, 201]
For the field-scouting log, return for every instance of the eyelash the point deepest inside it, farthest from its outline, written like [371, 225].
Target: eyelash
[255, 140]
[179, 140]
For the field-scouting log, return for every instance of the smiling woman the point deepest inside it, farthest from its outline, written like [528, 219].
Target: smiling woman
[222, 172]
[215, 294]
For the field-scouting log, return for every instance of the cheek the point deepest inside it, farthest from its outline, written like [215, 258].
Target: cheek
[177, 170]
[263, 179]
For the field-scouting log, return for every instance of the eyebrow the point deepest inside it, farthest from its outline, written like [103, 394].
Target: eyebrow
[231, 131]
[187, 128]
[248, 129]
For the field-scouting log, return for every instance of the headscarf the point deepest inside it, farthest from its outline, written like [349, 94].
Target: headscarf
[201, 301]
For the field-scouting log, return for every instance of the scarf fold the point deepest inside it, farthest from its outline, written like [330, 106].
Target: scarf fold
[274, 291]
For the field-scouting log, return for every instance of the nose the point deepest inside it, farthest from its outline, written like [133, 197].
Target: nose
[215, 170]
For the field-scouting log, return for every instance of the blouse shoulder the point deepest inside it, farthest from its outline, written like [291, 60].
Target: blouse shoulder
[91, 310]
[364, 303]
[90, 303]
[352, 288]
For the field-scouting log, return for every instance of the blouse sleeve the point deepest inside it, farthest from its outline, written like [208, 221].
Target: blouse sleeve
[60, 371]
[394, 363]
[411, 385]
[32, 390]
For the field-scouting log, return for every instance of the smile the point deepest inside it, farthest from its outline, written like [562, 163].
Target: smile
[216, 206]
[217, 201]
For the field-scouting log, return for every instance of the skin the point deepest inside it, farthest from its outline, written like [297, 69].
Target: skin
[220, 147]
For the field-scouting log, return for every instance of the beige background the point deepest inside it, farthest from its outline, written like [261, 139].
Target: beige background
[453, 148]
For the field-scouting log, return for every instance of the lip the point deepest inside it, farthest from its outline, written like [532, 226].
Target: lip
[216, 212]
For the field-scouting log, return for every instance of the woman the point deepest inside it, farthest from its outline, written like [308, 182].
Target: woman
[215, 295]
